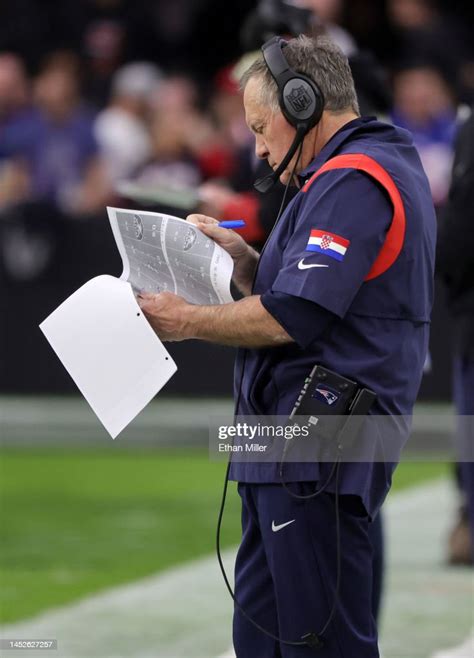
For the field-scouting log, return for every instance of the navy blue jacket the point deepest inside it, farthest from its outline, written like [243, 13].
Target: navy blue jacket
[354, 313]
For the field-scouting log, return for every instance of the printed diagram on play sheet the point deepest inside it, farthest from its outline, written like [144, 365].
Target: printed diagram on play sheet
[164, 253]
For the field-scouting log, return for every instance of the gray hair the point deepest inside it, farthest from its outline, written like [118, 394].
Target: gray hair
[321, 60]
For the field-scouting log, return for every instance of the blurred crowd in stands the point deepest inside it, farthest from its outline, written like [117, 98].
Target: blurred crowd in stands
[98, 95]
[98, 92]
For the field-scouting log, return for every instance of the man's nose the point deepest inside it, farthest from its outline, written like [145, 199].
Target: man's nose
[261, 150]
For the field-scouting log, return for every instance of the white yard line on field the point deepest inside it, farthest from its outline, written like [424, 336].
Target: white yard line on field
[179, 613]
[186, 612]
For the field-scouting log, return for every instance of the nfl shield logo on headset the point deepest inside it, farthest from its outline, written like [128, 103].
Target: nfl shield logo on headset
[299, 99]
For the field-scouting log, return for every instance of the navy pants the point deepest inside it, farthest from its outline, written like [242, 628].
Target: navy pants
[377, 539]
[463, 394]
[285, 574]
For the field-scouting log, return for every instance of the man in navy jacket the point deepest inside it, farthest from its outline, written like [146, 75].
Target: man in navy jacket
[346, 281]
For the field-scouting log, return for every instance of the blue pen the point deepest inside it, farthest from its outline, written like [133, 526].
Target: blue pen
[232, 223]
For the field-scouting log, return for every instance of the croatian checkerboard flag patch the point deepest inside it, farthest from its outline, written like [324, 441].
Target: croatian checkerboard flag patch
[327, 243]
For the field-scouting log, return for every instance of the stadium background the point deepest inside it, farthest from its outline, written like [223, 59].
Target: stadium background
[80, 514]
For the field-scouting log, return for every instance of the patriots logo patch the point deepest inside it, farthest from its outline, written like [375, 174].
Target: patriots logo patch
[325, 394]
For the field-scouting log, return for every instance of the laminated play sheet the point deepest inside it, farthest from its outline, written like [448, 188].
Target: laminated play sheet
[160, 252]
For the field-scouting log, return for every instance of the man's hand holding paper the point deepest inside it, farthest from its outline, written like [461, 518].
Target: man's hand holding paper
[245, 258]
[167, 314]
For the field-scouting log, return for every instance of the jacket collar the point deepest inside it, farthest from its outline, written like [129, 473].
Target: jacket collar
[333, 144]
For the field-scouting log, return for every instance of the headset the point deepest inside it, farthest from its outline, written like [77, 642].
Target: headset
[301, 102]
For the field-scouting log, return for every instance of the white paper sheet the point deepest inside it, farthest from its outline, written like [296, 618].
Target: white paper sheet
[109, 349]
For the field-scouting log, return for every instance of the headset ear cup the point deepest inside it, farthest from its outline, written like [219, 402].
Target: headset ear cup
[301, 101]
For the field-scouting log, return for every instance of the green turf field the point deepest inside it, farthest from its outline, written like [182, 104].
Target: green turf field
[76, 521]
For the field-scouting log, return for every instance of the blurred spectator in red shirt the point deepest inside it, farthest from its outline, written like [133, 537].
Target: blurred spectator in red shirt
[233, 197]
